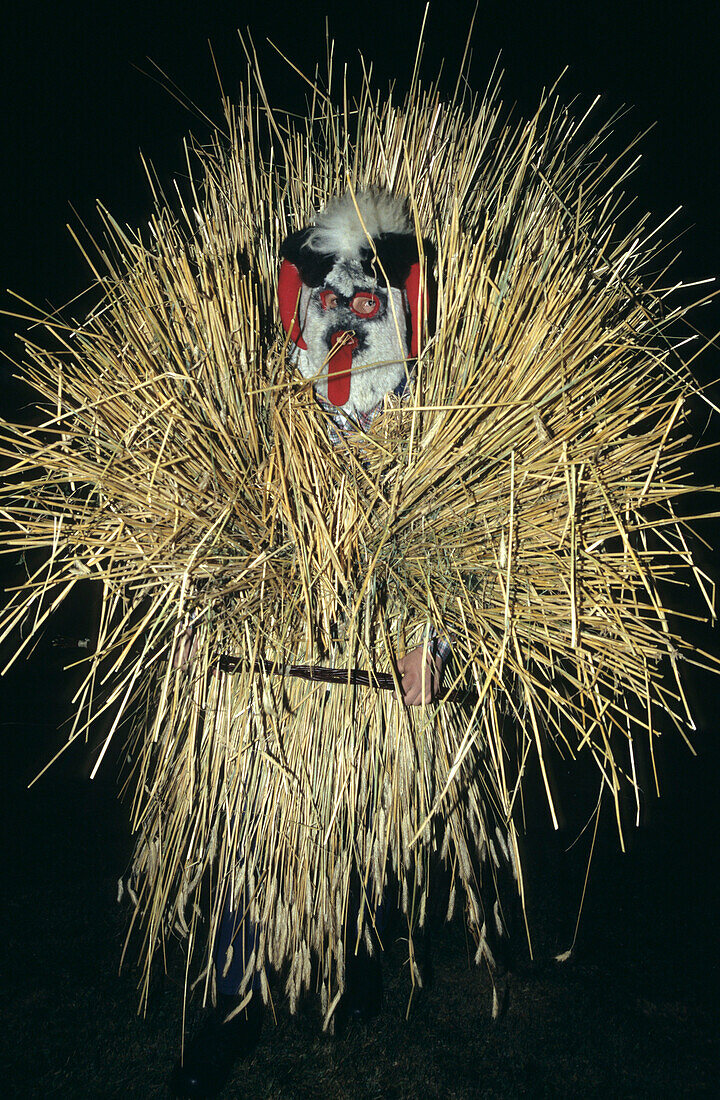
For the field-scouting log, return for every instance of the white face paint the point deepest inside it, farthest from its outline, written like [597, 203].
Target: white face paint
[356, 336]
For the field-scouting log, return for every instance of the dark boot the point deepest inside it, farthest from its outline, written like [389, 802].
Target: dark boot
[220, 1043]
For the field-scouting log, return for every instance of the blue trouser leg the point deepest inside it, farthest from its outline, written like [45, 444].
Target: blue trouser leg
[237, 929]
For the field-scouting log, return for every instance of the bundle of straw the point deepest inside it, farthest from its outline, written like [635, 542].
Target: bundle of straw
[520, 504]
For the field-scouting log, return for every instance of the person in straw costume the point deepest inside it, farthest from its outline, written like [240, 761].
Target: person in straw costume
[351, 299]
[255, 507]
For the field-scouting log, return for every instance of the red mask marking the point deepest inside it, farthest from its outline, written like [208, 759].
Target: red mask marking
[339, 367]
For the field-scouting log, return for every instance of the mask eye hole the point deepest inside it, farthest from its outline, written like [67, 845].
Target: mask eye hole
[328, 299]
[365, 304]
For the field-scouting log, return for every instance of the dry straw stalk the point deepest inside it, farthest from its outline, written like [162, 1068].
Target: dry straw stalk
[521, 503]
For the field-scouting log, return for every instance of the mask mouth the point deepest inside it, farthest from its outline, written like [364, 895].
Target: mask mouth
[342, 346]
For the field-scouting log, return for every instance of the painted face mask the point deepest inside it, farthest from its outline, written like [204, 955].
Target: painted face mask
[351, 299]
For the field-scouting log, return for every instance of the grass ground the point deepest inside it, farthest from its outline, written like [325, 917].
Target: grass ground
[632, 1015]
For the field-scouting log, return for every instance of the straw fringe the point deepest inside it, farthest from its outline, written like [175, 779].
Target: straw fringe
[521, 502]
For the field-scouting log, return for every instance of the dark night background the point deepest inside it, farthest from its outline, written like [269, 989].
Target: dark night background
[635, 1014]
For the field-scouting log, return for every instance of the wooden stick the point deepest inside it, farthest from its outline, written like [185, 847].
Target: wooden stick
[357, 677]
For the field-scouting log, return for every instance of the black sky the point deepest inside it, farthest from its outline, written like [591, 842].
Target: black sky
[77, 103]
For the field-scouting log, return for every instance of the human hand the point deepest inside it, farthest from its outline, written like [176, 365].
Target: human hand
[419, 674]
[185, 648]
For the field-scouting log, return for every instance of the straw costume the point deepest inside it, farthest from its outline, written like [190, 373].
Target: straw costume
[351, 298]
[518, 498]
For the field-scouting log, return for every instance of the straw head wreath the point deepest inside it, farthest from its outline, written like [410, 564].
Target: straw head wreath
[519, 498]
